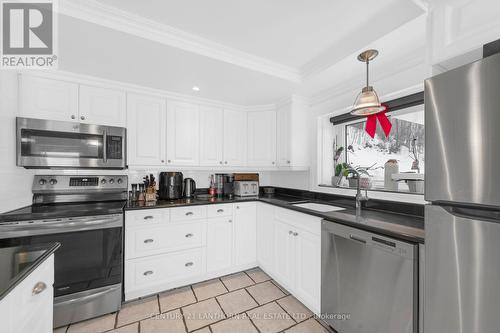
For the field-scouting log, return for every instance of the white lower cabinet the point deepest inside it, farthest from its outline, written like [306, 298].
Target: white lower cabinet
[297, 255]
[152, 274]
[265, 236]
[219, 243]
[172, 247]
[25, 310]
[245, 233]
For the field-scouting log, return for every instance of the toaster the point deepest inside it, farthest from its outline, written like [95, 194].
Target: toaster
[246, 188]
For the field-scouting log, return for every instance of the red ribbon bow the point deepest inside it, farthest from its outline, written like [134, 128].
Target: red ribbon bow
[371, 122]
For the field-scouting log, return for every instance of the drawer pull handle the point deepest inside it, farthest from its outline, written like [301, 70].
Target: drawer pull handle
[189, 213]
[295, 233]
[189, 235]
[38, 288]
[149, 217]
[146, 273]
[220, 210]
[146, 241]
[189, 264]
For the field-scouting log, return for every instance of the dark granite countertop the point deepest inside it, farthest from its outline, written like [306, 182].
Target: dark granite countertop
[399, 225]
[15, 270]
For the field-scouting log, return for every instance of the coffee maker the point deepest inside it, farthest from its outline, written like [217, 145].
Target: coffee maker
[170, 187]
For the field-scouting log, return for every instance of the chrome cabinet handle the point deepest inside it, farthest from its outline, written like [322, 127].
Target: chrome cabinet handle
[290, 232]
[38, 288]
[73, 116]
[295, 234]
[189, 235]
[162, 161]
[288, 162]
[188, 264]
[225, 162]
[189, 213]
[146, 273]
[230, 221]
[274, 162]
[220, 210]
[220, 162]
[237, 207]
[149, 217]
[148, 241]
[169, 161]
[82, 118]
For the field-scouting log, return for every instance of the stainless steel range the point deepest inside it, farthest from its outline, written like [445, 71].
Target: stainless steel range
[85, 215]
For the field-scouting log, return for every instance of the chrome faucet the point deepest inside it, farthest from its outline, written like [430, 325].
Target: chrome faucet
[359, 197]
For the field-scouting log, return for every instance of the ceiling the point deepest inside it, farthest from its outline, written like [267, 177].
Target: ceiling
[242, 52]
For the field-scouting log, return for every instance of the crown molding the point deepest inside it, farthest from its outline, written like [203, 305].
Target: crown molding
[117, 19]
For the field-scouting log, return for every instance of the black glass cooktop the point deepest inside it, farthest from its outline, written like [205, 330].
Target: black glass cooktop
[60, 210]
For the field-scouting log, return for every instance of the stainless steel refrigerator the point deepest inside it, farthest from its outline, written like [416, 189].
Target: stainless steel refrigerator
[462, 223]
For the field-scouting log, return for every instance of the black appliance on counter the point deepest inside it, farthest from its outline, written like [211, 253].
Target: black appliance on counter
[85, 215]
[189, 187]
[170, 187]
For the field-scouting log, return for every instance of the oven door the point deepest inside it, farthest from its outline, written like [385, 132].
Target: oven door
[90, 255]
[57, 144]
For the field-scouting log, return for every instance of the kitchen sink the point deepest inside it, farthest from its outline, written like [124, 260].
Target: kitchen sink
[319, 207]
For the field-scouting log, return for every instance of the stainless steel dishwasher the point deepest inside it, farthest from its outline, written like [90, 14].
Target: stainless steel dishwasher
[369, 283]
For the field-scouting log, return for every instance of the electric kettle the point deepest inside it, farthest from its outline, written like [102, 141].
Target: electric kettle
[189, 187]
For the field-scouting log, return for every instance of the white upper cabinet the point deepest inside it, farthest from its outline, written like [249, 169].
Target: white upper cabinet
[211, 136]
[183, 132]
[146, 124]
[283, 136]
[43, 98]
[102, 106]
[293, 133]
[262, 138]
[245, 233]
[235, 138]
[458, 27]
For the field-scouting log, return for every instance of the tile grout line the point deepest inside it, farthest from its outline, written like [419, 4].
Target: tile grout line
[183, 319]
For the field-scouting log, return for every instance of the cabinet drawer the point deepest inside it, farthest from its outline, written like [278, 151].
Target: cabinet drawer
[188, 213]
[163, 238]
[163, 269]
[146, 217]
[299, 220]
[219, 210]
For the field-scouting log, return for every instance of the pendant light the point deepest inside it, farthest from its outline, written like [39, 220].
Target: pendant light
[367, 102]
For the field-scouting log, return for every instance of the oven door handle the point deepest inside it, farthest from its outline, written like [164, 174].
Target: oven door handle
[61, 226]
[105, 146]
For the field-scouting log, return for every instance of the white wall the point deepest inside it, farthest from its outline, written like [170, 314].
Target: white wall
[15, 188]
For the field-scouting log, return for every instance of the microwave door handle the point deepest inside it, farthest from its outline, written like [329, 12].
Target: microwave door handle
[105, 146]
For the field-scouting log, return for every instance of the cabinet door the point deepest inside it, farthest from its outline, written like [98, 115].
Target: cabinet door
[308, 268]
[219, 243]
[48, 99]
[146, 130]
[284, 252]
[211, 136]
[265, 236]
[182, 133]
[102, 106]
[235, 138]
[245, 233]
[262, 138]
[283, 136]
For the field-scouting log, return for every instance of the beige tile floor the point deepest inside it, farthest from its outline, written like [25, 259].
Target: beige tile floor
[245, 302]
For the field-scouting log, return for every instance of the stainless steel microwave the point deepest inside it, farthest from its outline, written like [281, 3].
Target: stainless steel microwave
[60, 144]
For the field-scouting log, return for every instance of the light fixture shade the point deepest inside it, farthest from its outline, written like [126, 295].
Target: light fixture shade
[367, 103]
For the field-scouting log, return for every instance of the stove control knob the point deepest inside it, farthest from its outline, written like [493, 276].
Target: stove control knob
[111, 181]
[119, 181]
[42, 181]
[53, 182]
[103, 181]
